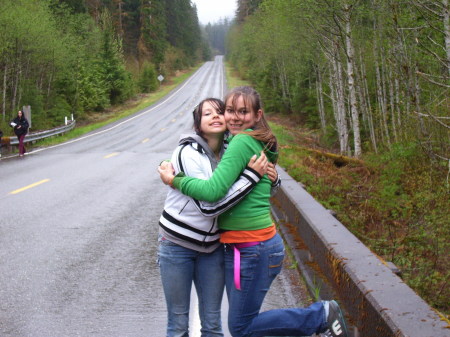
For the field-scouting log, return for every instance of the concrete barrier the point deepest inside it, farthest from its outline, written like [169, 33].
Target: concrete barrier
[378, 302]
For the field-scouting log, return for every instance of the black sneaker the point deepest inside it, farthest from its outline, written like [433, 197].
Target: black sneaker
[336, 322]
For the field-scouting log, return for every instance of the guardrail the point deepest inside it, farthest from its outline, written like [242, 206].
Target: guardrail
[35, 136]
[378, 302]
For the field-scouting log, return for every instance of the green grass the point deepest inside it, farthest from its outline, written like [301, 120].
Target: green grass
[282, 136]
[232, 79]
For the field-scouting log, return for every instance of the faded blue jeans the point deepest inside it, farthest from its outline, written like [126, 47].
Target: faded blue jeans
[180, 267]
[260, 265]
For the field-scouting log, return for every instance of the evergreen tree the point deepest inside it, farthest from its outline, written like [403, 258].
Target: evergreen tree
[148, 81]
[183, 29]
[111, 63]
[216, 35]
[153, 36]
[246, 8]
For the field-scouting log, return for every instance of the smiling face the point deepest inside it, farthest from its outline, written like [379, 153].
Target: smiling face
[212, 120]
[239, 114]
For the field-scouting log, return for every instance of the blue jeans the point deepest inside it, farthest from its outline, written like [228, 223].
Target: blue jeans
[180, 267]
[260, 265]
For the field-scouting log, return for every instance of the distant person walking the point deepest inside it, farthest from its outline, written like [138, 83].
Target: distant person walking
[20, 125]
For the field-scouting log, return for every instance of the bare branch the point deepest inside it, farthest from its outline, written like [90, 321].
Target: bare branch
[429, 115]
[411, 28]
[442, 61]
[436, 43]
[427, 8]
[429, 22]
[427, 77]
[436, 119]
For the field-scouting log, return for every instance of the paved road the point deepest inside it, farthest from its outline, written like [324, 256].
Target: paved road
[78, 226]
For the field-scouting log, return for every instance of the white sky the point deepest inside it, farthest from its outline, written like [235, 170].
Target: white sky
[213, 10]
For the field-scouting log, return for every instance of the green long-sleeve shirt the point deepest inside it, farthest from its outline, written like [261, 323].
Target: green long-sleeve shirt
[253, 212]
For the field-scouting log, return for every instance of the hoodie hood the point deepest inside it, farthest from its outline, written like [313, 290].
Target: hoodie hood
[201, 146]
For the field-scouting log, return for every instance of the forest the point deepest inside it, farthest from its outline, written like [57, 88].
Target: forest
[371, 73]
[370, 79]
[72, 57]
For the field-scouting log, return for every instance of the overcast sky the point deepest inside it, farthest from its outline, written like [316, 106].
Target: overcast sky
[213, 10]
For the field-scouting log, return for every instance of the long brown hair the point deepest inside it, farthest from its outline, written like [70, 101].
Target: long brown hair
[261, 130]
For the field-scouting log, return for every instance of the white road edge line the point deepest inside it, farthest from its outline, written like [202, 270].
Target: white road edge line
[119, 124]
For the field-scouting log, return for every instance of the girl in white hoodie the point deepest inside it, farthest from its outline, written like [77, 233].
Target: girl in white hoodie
[189, 248]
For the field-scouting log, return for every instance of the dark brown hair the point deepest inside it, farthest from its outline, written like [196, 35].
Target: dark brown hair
[198, 112]
[261, 130]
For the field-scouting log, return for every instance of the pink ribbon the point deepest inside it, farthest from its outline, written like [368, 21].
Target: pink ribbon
[237, 261]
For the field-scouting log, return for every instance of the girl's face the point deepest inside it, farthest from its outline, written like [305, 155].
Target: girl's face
[19, 113]
[213, 120]
[240, 117]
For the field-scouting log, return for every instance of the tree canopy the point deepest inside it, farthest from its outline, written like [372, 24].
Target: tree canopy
[369, 73]
[67, 57]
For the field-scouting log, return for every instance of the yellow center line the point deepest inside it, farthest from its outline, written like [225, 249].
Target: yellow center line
[111, 155]
[145, 140]
[29, 186]
[163, 129]
[174, 120]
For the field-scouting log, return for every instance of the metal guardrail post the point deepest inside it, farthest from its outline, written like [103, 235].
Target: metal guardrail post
[378, 301]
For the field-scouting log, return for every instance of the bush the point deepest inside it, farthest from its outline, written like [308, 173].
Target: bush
[59, 111]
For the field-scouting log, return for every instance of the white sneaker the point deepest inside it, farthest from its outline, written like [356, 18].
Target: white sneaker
[336, 322]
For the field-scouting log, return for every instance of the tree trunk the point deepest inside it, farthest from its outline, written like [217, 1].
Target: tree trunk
[49, 87]
[380, 90]
[341, 114]
[120, 23]
[392, 105]
[284, 83]
[416, 98]
[319, 89]
[4, 91]
[351, 85]
[16, 85]
[333, 93]
[384, 84]
[368, 107]
[398, 111]
[446, 19]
